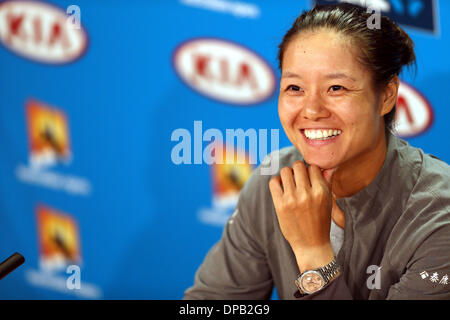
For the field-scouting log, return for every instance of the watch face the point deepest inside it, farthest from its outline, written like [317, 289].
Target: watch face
[312, 281]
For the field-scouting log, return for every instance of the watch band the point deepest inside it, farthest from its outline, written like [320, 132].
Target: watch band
[328, 272]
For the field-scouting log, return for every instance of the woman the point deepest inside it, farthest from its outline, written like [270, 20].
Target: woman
[355, 212]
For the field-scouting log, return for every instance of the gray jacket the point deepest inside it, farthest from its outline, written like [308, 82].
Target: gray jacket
[396, 237]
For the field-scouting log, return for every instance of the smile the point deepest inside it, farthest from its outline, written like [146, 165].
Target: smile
[319, 137]
[321, 133]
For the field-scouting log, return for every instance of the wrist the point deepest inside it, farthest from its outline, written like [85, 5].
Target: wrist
[313, 257]
[314, 280]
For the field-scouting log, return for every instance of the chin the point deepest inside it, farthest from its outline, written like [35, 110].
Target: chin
[321, 163]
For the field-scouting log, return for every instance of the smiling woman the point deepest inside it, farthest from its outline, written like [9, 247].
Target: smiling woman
[337, 74]
[351, 197]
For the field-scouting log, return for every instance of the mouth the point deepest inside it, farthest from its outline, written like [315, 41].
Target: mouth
[320, 137]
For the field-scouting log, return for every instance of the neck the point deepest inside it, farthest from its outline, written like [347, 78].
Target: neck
[357, 173]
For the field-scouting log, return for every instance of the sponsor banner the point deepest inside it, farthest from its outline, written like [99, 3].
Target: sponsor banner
[414, 114]
[105, 164]
[40, 32]
[224, 71]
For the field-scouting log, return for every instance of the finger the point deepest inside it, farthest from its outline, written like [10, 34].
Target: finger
[275, 188]
[301, 177]
[328, 175]
[287, 179]
[315, 176]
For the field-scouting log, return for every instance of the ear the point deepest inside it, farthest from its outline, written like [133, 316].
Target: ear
[390, 96]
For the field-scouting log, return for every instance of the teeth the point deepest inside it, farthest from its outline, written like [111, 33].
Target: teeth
[321, 134]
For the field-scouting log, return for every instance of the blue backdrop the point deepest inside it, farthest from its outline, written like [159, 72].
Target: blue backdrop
[90, 96]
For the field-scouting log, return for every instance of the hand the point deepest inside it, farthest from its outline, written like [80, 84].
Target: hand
[303, 202]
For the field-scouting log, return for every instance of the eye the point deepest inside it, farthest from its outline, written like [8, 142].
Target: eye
[293, 88]
[336, 88]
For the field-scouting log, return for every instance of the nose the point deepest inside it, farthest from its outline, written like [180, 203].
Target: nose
[314, 107]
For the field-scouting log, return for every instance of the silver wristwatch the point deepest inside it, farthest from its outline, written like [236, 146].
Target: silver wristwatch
[314, 280]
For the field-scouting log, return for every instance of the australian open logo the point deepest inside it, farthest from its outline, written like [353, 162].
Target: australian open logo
[418, 14]
[228, 178]
[60, 260]
[49, 149]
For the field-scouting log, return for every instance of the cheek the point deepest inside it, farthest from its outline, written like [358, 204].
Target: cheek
[356, 114]
[360, 122]
[288, 109]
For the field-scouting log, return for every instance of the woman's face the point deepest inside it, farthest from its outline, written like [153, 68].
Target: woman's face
[323, 87]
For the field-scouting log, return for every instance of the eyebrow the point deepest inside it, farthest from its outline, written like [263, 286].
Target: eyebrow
[338, 75]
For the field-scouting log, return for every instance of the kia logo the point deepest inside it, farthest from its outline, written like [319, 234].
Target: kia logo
[40, 32]
[224, 71]
[414, 114]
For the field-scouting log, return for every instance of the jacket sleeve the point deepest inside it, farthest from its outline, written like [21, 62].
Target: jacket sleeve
[427, 274]
[235, 267]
